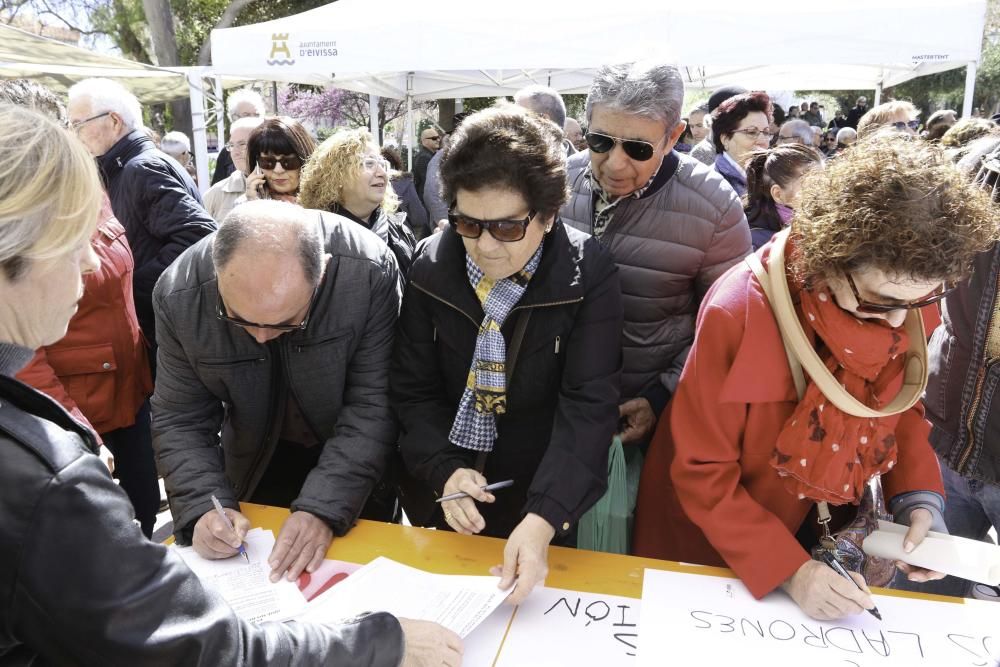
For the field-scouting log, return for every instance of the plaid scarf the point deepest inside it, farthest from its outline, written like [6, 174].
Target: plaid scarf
[485, 392]
[605, 204]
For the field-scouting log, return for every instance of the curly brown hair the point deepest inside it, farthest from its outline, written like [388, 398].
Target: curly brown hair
[509, 147]
[894, 203]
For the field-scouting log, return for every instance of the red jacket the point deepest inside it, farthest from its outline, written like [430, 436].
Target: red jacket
[708, 492]
[99, 371]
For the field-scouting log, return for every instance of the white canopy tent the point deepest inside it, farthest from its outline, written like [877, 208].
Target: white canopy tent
[467, 49]
[459, 49]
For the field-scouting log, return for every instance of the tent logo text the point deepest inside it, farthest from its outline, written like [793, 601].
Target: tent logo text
[279, 46]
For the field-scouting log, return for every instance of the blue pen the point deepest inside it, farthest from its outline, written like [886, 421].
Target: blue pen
[229, 524]
[832, 561]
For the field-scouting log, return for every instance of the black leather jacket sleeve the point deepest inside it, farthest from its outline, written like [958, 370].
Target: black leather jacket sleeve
[91, 590]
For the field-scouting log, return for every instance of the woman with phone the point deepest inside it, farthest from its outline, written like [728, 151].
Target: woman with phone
[277, 149]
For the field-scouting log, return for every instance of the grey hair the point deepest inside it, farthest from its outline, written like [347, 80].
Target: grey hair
[266, 225]
[653, 91]
[544, 101]
[800, 129]
[249, 123]
[108, 95]
[175, 143]
[241, 95]
[847, 136]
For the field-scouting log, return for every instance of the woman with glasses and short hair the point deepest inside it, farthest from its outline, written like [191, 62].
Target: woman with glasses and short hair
[738, 467]
[740, 125]
[276, 151]
[898, 115]
[347, 175]
[507, 358]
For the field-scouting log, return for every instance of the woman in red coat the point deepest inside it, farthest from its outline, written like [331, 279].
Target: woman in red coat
[739, 462]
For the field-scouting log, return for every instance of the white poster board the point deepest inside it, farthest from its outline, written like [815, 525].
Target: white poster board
[693, 619]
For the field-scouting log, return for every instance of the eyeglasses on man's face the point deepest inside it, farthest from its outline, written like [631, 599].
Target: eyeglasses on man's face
[637, 149]
[288, 162]
[77, 124]
[507, 231]
[222, 314]
[873, 308]
[235, 146]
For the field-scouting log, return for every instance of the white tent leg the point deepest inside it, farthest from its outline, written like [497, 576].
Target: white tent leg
[220, 112]
[878, 95]
[970, 88]
[198, 129]
[373, 115]
[409, 125]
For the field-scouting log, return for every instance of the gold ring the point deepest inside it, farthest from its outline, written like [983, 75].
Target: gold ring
[447, 515]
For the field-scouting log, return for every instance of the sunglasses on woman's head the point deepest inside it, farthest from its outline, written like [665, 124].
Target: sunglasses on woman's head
[639, 151]
[288, 162]
[507, 231]
[872, 308]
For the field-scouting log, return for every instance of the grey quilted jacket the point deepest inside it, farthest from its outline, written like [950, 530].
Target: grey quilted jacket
[670, 246]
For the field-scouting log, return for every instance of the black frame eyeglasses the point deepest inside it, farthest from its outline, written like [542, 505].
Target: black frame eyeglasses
[288, 162]
[506, 231]
[221, 314]
[77, 124]
[637, 149]
[872, 308]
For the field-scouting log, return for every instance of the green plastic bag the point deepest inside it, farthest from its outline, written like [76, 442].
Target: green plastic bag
[607, 526]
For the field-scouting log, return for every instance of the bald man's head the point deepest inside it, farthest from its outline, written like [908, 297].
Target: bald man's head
[430, 139]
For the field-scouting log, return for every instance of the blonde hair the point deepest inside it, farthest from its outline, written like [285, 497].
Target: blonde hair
[878, 117]
[50, 193]
[335, 163]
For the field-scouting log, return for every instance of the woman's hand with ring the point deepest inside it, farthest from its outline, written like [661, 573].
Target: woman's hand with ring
[461, 514]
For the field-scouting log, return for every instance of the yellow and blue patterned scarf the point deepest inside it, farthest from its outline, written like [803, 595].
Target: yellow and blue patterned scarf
[485, 392]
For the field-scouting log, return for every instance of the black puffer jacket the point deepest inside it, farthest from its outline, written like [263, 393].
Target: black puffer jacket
[159, 206]
[562, 399]
[80, 585]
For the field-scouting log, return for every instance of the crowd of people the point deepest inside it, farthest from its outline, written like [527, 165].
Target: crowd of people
[328, 333]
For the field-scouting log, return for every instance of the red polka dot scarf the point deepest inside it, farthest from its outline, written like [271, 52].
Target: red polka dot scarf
[826, 454]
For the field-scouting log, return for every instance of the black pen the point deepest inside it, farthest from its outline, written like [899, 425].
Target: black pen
[832, 561]
[489, 487]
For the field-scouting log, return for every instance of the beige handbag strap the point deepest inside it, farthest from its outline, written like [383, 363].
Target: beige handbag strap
[915, 365]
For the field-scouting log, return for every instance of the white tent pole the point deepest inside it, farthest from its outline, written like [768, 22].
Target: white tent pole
[878, 95]
[373, 115]
[220, 112]
[970, 88]
[198, 129]
[409, 124]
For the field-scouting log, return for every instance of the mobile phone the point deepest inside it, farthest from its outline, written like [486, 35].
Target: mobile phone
[262, 185]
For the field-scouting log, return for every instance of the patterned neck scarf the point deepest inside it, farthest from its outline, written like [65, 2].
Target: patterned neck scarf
[821, 452]
[604, 206]
[485, 394]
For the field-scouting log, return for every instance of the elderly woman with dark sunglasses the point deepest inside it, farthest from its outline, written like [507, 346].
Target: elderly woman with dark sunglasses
[507, 357]
[740, 125]
[741, 462]
[277, 149]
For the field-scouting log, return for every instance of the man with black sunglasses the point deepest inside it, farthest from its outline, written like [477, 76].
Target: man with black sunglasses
[275, 336]
[430, 143]
[672, 224]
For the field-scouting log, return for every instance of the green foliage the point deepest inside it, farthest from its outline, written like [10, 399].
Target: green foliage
[474, 104]
[124, 21]
[200, 17]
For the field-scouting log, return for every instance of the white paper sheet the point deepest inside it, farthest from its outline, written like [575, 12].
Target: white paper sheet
[957, 556]
[458, 602]
[247, 587]
[690, 619]
[555, 627]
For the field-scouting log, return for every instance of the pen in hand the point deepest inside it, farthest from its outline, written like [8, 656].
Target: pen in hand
[832, 561]
[229, 524]
[489, 487]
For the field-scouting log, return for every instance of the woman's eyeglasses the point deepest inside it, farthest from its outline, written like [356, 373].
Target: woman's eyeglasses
[753, 132]
[370, 163]
[507, 231]
[288, 162]
[910, 124]
[881, 308]
[639, 151]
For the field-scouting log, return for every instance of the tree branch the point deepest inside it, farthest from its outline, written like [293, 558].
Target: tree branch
[230, 15]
